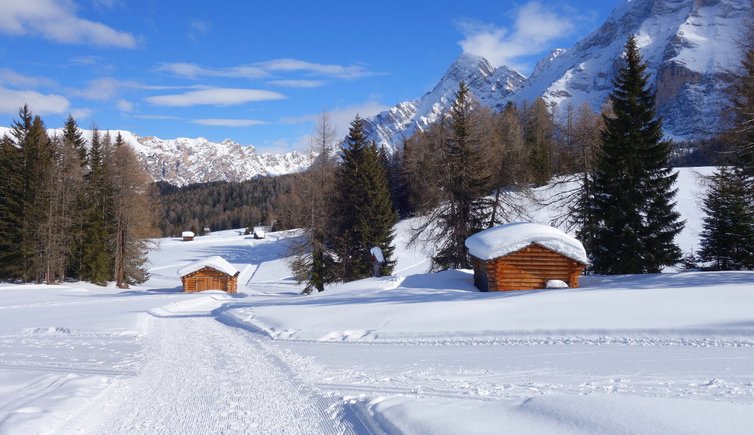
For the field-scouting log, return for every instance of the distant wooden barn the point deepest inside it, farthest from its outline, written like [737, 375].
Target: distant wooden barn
[525, 256]
[213, 273]
[187, 236]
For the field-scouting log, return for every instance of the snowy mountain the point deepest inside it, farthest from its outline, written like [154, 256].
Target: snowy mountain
[689, 46]
[183, 161]
[492, 87]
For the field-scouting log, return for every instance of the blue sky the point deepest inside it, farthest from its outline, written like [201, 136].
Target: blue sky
[257, 72]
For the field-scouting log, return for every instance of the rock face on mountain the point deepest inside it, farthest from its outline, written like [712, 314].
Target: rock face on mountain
[689, 45]
[492, 87]
[184, 161]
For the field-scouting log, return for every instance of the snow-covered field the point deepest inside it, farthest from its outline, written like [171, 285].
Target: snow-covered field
[412, 353]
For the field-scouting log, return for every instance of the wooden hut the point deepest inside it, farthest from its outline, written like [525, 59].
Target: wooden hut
[213, 273]
[525, 256]
[187, 236]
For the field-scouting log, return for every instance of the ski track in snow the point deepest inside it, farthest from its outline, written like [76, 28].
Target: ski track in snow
[205, 377]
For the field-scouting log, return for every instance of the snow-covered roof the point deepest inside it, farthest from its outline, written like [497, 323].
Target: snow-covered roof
[505, 239]
[187, 234]
[215, 262]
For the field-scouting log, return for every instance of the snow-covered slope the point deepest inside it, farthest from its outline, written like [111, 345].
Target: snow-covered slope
[184, 161]
[492, 87]
[688, 44]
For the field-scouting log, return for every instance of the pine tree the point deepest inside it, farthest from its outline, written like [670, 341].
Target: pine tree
[75, 147]
[727, 240]
[11, 212]
[464, 208]
[538, 133]
[363, 213]
[632, 195]
[96, 263]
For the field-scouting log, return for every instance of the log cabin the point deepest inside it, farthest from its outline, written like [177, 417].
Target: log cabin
[187, 236]
[213, 273]
[525, 256]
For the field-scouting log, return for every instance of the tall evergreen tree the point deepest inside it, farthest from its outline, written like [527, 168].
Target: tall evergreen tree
[96, 264]
[364, 213]
[11, 211]
[539, 137]
[727, 241]
[632, 191]
[73, 140]
[464, 208]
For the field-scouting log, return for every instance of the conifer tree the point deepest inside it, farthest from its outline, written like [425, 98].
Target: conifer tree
[539, 132]
[363, 213]
[464, 208]
[11, 212]
[96, 263]
[727, 241]
[73, 140]
[632, 191]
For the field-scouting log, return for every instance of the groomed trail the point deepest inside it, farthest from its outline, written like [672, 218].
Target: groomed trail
[202, 376]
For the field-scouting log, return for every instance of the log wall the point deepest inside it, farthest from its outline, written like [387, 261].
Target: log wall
[526, 269]
[209, 279]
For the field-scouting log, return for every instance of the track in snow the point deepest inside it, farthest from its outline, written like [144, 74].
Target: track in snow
[201, 376]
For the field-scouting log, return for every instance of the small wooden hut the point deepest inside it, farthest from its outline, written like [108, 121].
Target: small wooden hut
[187, 236]
[525, 256]
[213, 273]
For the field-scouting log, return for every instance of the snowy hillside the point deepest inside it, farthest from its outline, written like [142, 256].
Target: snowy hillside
[412, 353]
[183, 161]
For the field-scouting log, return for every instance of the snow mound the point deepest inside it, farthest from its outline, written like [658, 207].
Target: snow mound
[504, 239]
[215, 262]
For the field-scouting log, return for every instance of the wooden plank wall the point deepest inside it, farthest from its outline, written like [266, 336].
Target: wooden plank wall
[527, 269]
[209, 279]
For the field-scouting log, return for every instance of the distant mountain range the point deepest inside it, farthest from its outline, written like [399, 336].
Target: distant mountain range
[689, 45]
[184, 161]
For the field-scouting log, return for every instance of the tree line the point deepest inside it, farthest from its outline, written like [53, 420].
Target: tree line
[223, 205]
[72, 212]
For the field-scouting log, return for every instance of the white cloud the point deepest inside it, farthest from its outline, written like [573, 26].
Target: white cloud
[13, 78]
[193, 71]
[297, 83]
[11, 101]
[125, 106]
[265, 69]
[198, 28]
[534, 28]
[81, 113]
[217, 122]
[56, 20]
[215, 96]
[330, 70]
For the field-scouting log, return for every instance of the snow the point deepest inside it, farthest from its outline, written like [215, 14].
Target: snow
[215, 262]
[413, 353]
[377, 253]
[187, 234]
[504, 239]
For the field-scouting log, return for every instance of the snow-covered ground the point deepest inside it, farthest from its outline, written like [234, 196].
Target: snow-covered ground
[412, 353]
